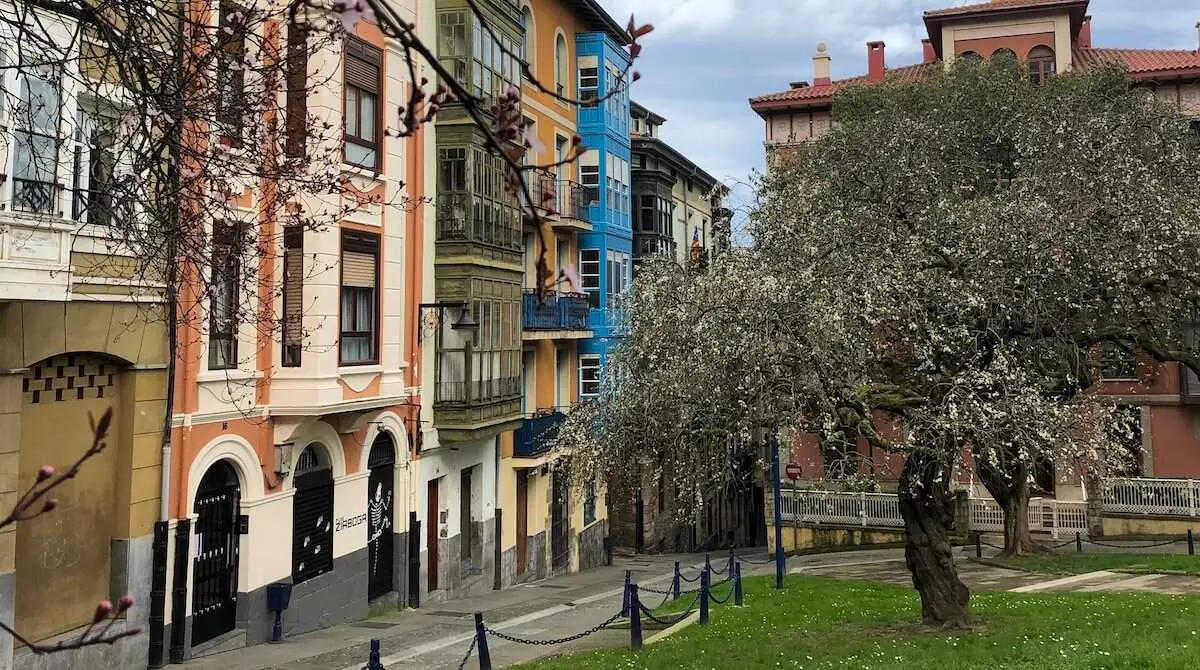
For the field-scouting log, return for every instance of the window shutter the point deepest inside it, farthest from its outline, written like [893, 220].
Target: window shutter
[360, 253]
[362, 65]
[293, 291]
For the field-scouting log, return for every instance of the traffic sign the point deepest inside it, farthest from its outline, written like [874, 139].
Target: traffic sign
[793, 472]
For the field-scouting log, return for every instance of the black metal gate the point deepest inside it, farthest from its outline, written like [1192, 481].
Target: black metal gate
[381, 538]
[559, 521]
[312, 516]
[215, 575]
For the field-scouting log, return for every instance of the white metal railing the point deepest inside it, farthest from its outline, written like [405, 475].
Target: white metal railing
[882, 510]
[1152, 497]
[876, 510]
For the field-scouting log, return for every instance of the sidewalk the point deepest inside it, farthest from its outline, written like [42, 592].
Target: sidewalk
[437, 635]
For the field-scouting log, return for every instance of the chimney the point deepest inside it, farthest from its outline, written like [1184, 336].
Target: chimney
[821, 65]
[876, 62]
[930, 55]
[1085, 34]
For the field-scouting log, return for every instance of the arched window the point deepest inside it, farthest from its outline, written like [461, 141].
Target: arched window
[527, 43]
[560, 65]
[970, 56]
[1004, 52]
[1041, 64]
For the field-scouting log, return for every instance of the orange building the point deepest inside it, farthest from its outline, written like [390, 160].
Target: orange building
[1047, 36]
[293, 438]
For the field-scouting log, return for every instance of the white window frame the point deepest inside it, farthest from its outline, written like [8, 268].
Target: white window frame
[589, 362]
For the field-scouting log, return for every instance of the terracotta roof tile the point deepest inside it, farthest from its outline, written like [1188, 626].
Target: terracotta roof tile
[906, 73]
[995, 5]
[1142, 61]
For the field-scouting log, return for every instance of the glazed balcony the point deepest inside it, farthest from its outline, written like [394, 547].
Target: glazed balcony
[536, 436]
[554, 315]
[470, 225]
[468, 406]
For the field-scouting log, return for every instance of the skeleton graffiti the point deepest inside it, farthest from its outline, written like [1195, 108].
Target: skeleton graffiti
[380, 513]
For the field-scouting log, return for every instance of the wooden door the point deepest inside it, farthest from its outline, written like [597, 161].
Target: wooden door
[522, 521]
[431, 535]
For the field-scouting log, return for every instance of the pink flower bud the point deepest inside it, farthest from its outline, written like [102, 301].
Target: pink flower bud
[102, 611]
[636, 75]
[125, 602]
[45, 472]
[49, 505]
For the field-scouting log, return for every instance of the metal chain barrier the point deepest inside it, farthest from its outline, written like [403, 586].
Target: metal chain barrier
[685, 579]
[562, 640]
[470, 650]
[1132, 546]
[712, 593]
[671, 622]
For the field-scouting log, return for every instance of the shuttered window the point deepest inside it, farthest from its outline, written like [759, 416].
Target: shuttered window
[223, 297]
[360, 314]
[361, 103]
[231, 69]
[297, 91]
[293, 296]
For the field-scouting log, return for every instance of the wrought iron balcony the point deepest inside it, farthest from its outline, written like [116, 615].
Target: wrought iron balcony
[554, 311]
[537, 435]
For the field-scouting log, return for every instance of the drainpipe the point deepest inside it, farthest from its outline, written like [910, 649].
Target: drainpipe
[158, 579]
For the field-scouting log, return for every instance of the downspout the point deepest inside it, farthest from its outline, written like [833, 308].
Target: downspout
[158, 586]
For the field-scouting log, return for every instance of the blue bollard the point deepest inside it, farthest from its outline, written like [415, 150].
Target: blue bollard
[704, 597]
[635, 618]
[729, 568]
[707, 563]
[1191, 544]
[1078, 543]
[737, 584]
[485, 656]
[675, 583]
[625, 601]
[373, 662]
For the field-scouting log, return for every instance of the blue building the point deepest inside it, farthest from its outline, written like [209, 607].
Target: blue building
[606, 252]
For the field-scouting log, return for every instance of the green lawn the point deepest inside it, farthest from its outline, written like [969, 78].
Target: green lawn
[1075, 564]
[824, 623]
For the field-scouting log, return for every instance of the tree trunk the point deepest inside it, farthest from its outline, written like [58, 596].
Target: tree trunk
[1010, 488]
[928, 511]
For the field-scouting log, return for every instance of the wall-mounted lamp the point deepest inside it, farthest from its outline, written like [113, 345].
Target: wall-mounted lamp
[433, 316]
[283, 460]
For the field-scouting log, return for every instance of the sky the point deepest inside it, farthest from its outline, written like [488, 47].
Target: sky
[707, 58]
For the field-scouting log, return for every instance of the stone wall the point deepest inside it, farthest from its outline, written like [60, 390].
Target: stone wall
[591, 545]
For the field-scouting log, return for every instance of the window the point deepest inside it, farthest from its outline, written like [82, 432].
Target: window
[452, 43]
[589, 375]
[560, 65]
[296, 131]
[231, 67]
[1004, 52]
[1117, 363]
[970, 56]
[618, 276]
[589, 504]
[95, 163]
[360, 318]
[1126, 434]
[528, 42]
[493, 69]
[496, 355]
[361, 101]
[293, 296]
[35, 140]
[589, 274]
[1041, 64]
[589, 177]
[473, 204]
[223, 297]
[589, 83]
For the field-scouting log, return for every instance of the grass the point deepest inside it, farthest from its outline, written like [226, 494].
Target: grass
[818, 622]
[1077, 564]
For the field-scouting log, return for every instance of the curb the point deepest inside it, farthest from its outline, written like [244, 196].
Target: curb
[668, 632]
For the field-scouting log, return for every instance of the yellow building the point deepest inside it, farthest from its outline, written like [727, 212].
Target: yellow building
[79, 335]
[552, 528]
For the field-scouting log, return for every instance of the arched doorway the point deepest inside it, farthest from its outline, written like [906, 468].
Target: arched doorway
[312, 515]
[381, 534]
[215, 573]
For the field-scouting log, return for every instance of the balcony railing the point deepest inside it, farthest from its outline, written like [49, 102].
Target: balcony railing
[573, 200]
[558, 197]
[457, 383]
[554, 311]
[537, 435]
[467, 218]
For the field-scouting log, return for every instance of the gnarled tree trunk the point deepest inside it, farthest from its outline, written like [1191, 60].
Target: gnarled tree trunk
[1010, 488]
[928, 511]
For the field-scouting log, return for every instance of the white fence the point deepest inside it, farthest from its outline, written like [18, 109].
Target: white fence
[1152, 497]
[882, 510]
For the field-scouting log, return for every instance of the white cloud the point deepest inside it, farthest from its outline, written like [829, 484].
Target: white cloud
[686, 18]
